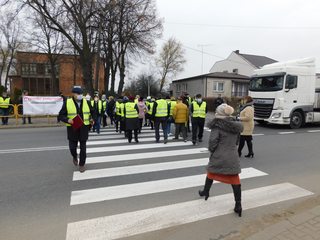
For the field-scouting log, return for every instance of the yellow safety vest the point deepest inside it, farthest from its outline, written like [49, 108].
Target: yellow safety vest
[4, 103]
[104, 105]
[172, 105]
[131, 112]
[136, 101]
[118, 111]
[150, 107]
[99, 105]
[122, 109]
[162, 108]
[72, 111]
[199, 111]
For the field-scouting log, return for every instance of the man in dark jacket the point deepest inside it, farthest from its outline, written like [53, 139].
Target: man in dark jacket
[73, 107]
[160, 114]
[199, 110]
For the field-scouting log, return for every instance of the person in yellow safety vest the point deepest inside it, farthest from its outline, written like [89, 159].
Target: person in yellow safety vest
[160, 114]
[122, 122]
[5, 107]
[149, 104]
[72, 107]
[118, 113]
[172, 103]
[131, 116]
[198, 111]
[96, 104]
[104, 108]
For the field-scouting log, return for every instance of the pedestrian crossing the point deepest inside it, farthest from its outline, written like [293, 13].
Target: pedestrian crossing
[127, 160]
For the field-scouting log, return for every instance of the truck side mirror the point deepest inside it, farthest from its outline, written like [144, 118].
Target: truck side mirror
[291, 82]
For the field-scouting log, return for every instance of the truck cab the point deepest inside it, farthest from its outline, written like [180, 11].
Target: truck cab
[285, 93]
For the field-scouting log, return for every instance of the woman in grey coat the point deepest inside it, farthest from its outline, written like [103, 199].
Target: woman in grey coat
[224, 164]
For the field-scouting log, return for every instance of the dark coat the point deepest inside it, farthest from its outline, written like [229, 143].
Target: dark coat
[223, 142]
[82, 133]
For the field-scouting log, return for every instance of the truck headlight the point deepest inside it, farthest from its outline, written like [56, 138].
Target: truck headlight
[276, 115]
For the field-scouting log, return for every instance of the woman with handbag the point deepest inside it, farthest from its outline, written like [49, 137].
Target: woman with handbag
[224, 164]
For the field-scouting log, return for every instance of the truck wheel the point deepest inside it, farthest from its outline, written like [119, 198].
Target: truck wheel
[296, 120]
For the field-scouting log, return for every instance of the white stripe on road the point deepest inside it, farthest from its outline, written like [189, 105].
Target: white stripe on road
[41, 149]
[143, 188]
[145, 168]
[257, 134]
[314, 131]
[146, 155]
[116, 133]
[135, 146]
[148, 220]
[119, 136]
[121, 141]
[283, 133]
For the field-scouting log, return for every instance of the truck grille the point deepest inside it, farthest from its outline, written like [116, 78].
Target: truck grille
[263, 108]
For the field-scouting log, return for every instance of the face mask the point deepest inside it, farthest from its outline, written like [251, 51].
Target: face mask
[199, 100]
[88, 98]
[79, 97]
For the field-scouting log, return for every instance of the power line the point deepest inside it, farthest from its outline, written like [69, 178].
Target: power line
[246, 27]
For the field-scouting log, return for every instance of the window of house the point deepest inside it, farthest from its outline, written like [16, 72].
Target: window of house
[218, 86]
[32, 68]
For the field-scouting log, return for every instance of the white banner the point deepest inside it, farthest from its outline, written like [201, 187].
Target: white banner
[33, 105]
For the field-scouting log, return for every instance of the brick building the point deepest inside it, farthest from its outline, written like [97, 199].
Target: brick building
[33, 73]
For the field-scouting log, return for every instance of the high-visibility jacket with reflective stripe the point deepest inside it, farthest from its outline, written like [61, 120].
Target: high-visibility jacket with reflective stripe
[118, 111]
[150, 107]
[172, 105]
[72, 111]
[131, 112]
[4, 103]
[122, 109]
[162, 108]
[199, 111]
[99, 105]
[104, 105]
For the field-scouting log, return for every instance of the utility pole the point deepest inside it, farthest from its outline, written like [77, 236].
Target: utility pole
[202, 46]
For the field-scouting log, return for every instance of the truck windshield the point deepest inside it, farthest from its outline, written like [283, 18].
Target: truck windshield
[267, 83]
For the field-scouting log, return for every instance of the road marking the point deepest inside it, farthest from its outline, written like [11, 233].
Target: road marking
[144, 168]
[42, 149]
[116, 133]
[135, 146]
[119, 136]
[146, 155]
[152, 219]
[258, 134]
[118, 141]
[143, 188]
[314, 131]
[283, 133]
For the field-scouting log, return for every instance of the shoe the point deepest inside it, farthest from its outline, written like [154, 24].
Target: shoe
[157, 141]
[240, 154]
[204, 194]
[165, 141]
[185, 140]
[200, 139]
[194, 143]
[137, 141]
[250, 155]
[82, 169]
[129, 140]
[75, 161]
[238, 209]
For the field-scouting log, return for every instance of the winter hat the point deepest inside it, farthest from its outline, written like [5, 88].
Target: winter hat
[77, 89]
[224, 110]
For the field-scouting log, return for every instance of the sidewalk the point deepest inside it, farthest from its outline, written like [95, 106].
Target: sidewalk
[36, 123]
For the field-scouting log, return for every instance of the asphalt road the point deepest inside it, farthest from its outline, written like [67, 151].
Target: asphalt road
[40, 200]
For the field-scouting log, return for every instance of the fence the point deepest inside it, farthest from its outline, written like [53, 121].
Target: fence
[16, 112]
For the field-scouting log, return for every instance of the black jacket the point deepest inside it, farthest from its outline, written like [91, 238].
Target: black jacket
[82, 133]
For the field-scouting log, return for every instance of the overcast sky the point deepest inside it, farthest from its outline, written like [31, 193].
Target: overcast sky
[279, 29]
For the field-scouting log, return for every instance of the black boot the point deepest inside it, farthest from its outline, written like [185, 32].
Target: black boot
[206, 189]
[250, 149]
[237, 199]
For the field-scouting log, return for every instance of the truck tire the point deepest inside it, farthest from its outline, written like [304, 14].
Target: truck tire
[296, 120]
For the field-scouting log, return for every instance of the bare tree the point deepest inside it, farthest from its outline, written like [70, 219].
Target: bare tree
[170, 60]
[10, 29]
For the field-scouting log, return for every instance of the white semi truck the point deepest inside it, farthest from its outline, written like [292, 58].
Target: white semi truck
[286, 93]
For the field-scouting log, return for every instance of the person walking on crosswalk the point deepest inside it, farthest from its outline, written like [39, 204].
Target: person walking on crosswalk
[199, 111]
[142, 112]
[131, 115]
[224, 163]
[180, 116]
[160, 114]
[77, 105]
[172, 103]
[150, 103]
[118, 113]
[97, 105]
[122, 121]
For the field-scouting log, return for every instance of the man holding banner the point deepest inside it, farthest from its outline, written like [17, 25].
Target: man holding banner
[78, 114]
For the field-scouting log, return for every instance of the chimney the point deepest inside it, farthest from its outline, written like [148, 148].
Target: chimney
[237, 51]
